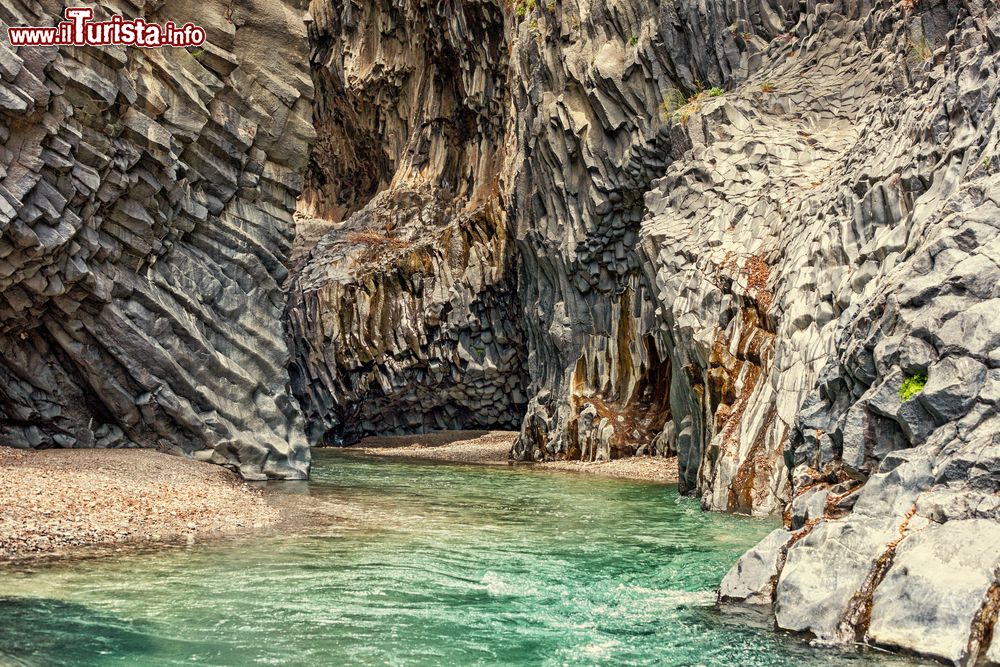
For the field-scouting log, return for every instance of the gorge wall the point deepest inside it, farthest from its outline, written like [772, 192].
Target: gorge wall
[146, 198]
[404, 318]
[603, 118]
[761, 236]
[891, 533]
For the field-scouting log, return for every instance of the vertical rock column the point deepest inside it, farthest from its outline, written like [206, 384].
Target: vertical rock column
[145, 220]
[403, 315]
[593, 133]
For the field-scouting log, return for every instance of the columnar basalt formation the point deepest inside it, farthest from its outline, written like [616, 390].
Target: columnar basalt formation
[891, 533]
[593, 146]
[762, 236]
[403, 317]
[411, 331]
[145, 217]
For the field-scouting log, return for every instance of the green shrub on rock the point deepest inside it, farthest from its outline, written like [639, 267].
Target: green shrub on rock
[912, 386]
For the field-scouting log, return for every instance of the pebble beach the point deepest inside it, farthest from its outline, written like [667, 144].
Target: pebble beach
[60, 500]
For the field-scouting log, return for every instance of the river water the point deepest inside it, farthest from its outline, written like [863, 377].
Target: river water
[398, 563]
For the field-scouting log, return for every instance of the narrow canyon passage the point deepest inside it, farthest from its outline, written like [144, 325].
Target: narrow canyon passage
[753, 240]
[403, 314]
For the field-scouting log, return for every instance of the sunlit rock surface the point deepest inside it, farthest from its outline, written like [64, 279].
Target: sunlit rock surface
[145, 218]
[761, 236]
[892, 328]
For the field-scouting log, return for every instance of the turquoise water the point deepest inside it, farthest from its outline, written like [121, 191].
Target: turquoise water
[402, 563]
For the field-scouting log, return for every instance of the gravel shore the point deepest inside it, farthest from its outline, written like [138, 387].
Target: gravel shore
[492, 448]
[58, 500]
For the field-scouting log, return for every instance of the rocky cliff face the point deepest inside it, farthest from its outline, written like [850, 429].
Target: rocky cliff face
[145, 218]
[891, 532]
[404, 317]
[624, 363]
[761, 236]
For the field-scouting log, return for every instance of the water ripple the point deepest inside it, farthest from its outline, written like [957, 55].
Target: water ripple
[419, 564]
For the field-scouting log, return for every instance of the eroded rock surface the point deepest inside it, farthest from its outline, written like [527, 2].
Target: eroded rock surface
[403, 317]
[895, 451]
[145, 218]
[762, 236]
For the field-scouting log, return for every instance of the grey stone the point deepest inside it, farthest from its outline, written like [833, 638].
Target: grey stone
[939, 580]
[126, 318]
[752, 578]
[809, 505]
[824, 570]
[952, 387]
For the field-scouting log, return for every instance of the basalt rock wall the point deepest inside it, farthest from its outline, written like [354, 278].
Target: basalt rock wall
[403, 315]
[603, 128]
[146, 199]
[890, 535]
[761, 236]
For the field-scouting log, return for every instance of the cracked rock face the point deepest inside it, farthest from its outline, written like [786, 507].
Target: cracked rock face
[408, 331]
[651, 233]
[403, 316]
[761, 236]
[145, 218]
[895, 452]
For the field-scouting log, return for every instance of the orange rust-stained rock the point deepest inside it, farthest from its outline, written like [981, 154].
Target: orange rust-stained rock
[620, 395]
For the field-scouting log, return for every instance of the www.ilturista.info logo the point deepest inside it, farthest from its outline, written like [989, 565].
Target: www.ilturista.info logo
[79, 30]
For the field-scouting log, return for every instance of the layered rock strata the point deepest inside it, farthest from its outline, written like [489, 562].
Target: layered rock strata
[145, 217]
[403, 316]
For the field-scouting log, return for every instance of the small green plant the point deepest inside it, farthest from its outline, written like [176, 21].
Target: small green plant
[533, 24]
[520, 9]
[551, 7]
[767, 87]
[480, 352]
[673, 100]
[716, 92]
[912, 386]
[197, 54]
[633, 40]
